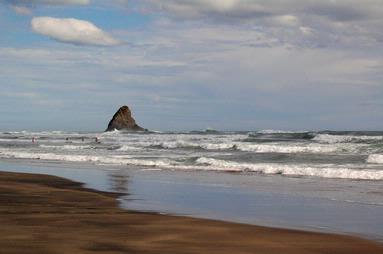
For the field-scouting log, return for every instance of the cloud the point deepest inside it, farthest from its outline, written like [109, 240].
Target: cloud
[179, 68]
[211, 8]
[302, 23]
[75, 31]
[24, 7]
[250, 9]
[47, 2]
[220, 55]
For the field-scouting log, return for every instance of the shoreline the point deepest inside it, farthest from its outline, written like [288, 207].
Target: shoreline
[48, 214]
[260, 201]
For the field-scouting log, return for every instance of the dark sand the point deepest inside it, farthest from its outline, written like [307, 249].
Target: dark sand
[46, 214]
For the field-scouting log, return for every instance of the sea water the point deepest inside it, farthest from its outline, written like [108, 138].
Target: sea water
[346, 155]
[326, 181]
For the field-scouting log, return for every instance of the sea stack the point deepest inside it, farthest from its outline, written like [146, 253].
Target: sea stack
[123, 120]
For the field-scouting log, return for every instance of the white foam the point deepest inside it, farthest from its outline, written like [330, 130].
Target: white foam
[196, 145]
[205, 163]
[375, 158]
[326, 171]
[66, 147]
[111, 133]
[176, 144]
[249, 147]
[331, 139]
[127, 148]
[279, 132]
[291, 148]
[116, 160]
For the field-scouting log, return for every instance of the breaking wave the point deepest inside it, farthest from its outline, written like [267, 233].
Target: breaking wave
[310, 148]
[67, 147]
[114, 160]
[257, 148]
[327, 171]
[211, 164]
[375, 158]
[127, 148]
[280, 132]
[332, 139]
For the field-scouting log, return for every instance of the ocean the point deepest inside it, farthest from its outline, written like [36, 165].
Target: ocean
[327, 154]
[321, 181]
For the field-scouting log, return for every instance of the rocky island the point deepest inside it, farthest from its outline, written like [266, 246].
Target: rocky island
[123, 120]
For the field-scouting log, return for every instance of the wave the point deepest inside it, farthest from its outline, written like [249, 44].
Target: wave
[175, 144]
[206, 131]
[327, 171]
[375, 158]
[66, 147]
[257, 148]
[205, 163]
[126, 148]
[191, 145]
[277, 148]
[332, 139]
[280, 132]
[279, 135]
[114, 160]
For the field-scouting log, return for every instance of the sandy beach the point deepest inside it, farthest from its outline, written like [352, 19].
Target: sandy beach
[47, 214]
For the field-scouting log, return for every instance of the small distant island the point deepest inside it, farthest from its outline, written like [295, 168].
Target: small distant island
[123, 120]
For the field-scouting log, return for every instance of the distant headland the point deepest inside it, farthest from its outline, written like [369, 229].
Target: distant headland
[123, 120]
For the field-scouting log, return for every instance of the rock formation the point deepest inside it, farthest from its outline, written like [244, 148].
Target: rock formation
[123, 120]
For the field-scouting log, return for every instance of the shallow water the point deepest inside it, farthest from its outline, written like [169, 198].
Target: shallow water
[329, 205]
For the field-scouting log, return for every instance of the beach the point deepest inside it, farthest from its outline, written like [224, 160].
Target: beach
[172, 126]
[47, 214]
[193, 192]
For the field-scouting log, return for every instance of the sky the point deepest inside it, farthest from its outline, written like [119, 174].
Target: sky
[192, 64]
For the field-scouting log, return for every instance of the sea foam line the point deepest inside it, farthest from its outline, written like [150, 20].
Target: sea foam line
[331, 139]
[114, 160]
[211, 164]
[256, 148]
[327, 171]
[66, 147]
[375, 158]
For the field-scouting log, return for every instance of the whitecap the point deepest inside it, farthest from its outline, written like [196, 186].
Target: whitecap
[291, 148]
[324, 171]
[66, 147]
[332, 139]
[375, 158]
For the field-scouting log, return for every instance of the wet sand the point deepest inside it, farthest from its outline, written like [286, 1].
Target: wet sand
[46, 214]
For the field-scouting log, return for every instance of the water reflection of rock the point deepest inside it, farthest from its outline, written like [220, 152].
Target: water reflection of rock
[119, 181]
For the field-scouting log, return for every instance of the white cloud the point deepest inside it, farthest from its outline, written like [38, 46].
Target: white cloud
[73, 31]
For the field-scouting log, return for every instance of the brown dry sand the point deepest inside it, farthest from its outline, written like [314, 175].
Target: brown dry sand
[47, 215]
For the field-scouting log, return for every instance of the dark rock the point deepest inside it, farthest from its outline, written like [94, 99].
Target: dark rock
[123, 120]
